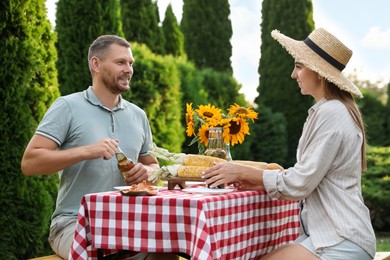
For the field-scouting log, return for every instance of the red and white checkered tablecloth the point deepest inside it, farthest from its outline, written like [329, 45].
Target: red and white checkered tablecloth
[236, 225]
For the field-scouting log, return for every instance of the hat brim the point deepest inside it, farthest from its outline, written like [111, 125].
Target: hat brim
[300, 51]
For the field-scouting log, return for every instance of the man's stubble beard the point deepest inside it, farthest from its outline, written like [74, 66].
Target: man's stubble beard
[113, 86]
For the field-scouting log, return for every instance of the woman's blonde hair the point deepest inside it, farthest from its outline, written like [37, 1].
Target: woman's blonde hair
[333, 92]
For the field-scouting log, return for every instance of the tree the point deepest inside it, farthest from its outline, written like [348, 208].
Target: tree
[387, 109]
[174, 38]
[276, 89]
[270, 135]
[207, 31]
[140, 20]
[78, 23]
[222, 88]
[373, 107]
[28, 86]
[372, 111]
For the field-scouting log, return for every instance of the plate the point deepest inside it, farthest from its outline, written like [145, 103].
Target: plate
[138, 193]
[128, 187]
[122, 187]
[124, 190]
[207, 191]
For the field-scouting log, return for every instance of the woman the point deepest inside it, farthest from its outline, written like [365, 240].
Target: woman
[335, 223]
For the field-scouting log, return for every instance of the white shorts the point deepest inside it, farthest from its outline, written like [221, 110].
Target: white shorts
[341, 251]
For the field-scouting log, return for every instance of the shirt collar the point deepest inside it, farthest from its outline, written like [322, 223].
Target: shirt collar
[317, 105]
[93, 99]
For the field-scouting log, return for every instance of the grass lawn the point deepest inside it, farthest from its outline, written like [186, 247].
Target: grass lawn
[383, 242]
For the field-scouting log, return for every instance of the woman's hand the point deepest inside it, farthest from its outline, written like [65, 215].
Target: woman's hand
[241, 176]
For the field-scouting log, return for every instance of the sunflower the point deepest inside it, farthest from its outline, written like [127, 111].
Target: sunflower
[235, 124]
[209, 112]
[203, 134]
[242, 112]
[190, 120]
[236, 130]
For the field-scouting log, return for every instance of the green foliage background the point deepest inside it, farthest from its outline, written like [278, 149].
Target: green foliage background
[78, 23]
[156, 88]
[376, 186]
[174, 38]
[28, 80]
[207, 30]
[140, 24]
[161, 85]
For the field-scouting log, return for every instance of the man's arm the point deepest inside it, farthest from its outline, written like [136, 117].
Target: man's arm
[43, 157]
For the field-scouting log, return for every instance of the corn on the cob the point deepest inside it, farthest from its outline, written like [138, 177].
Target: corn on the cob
[178, 170]
[191, 171]
[200, 160]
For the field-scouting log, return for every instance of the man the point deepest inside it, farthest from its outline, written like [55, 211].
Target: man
[79, 134]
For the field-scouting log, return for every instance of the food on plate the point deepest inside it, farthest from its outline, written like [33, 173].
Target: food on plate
[141, 187]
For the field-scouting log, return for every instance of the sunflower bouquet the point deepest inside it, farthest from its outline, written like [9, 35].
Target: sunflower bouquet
[235, 123]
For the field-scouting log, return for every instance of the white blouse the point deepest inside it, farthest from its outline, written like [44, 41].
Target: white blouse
[327, 176]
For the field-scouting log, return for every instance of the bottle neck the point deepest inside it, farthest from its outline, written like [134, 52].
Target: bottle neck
[120, 156]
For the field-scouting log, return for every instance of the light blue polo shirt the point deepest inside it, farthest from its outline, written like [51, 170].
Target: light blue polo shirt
[80, 119]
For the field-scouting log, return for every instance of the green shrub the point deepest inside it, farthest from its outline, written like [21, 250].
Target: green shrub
[376, 186]
[155, 87]
[28, 81]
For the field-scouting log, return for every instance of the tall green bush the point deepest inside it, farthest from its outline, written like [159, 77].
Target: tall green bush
[78, 23]
[155, 87]
[28, 80]
[372, 111]
[222, 88]
[174, 38]
[207, 30]
[140, 20]
[387, 113]
[193, 92]
[376, 186]
[269, 137]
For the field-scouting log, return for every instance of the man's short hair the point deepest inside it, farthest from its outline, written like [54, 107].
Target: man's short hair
[101, 45]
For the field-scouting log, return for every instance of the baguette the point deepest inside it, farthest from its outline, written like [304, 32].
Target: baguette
[260, 165]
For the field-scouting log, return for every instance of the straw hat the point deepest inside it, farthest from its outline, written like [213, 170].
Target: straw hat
[323, 53]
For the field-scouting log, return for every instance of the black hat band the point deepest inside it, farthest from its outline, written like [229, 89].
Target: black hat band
[323, 54]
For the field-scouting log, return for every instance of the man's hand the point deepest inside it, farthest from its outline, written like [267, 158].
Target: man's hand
[103, 149]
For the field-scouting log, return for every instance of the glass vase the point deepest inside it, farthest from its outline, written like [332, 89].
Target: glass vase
[216, 146]
[228, 154]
